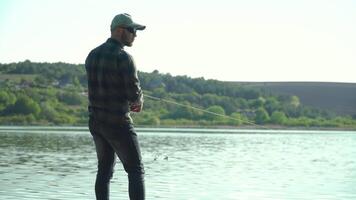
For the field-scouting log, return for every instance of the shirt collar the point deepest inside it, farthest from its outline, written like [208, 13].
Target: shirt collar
[115, 42]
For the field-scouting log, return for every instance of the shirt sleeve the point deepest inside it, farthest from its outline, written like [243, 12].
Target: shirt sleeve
[132, 83]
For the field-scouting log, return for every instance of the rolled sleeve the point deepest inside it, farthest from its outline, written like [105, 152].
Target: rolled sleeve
[132, 83]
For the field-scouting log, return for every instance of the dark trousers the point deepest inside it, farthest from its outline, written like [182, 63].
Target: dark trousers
[119, 139]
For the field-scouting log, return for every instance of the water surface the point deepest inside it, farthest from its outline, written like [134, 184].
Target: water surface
[183, 164]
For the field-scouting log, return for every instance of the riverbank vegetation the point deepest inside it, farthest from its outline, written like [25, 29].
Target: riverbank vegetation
[56, 94]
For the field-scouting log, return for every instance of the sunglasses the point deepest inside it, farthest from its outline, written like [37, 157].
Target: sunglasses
[130, 29]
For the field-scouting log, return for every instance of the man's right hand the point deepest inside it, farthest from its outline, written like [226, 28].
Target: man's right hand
[136, 107]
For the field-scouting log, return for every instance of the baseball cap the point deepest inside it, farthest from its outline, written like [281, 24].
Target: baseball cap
[125, 20]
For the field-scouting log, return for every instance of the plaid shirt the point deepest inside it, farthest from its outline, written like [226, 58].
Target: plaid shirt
[112, 79]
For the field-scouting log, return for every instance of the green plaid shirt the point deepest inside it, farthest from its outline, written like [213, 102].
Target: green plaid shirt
[112, 79]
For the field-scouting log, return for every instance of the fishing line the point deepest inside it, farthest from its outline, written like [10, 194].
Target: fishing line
[202, 110]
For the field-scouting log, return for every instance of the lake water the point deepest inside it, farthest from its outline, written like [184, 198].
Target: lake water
[183, 164]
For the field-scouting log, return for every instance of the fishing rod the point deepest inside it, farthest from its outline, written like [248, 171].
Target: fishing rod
[203, 110]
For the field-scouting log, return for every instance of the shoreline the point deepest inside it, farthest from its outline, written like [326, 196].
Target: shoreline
[291, 128]
[248, 128]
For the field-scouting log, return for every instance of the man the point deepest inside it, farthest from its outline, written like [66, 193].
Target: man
[113, 91]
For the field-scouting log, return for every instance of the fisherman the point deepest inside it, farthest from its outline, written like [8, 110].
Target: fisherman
[114, 91]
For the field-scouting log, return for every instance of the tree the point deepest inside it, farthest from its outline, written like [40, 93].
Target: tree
[6, 99]
[256, 103]
[354, 116]
[295, 101]
[291, 107]
[217, 110]
[24, 105]
[71, 98]
[271, 105]
[278, 117]
[48, 112]
[209, 100]
[146, 118]
[183, 112]
[159, 92]
[42, 81]
[237, 119]
[76, 82]
[262, 116]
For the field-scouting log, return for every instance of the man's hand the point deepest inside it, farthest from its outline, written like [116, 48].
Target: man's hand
[136, 107]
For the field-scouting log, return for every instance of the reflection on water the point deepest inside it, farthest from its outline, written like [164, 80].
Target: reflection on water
[42, 164]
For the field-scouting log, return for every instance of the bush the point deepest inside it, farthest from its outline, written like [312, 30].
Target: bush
[71, 98]
[262, 116]
[215, 111]
[278, 117]
[6, 99]
[24, 105]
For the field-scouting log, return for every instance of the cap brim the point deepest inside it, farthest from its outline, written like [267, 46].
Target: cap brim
[137, 26]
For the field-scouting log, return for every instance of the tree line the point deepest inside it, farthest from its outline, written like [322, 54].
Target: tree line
[55, 94]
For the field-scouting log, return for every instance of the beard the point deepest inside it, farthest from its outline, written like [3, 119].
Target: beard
[129, 44]
[127, 40]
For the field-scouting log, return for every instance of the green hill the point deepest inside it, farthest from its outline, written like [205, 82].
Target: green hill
[337, 97]
[55, 94]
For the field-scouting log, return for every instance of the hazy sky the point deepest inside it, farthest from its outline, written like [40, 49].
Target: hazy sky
[235, 40]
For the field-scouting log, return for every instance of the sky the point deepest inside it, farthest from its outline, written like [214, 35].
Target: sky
[228, 40]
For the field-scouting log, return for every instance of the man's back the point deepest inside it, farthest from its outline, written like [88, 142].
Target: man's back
[112, 78]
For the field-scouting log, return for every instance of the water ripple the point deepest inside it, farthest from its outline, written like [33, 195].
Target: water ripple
[183, 165]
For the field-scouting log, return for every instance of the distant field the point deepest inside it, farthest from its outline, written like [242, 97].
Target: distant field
[17, 77]
[337, 97]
